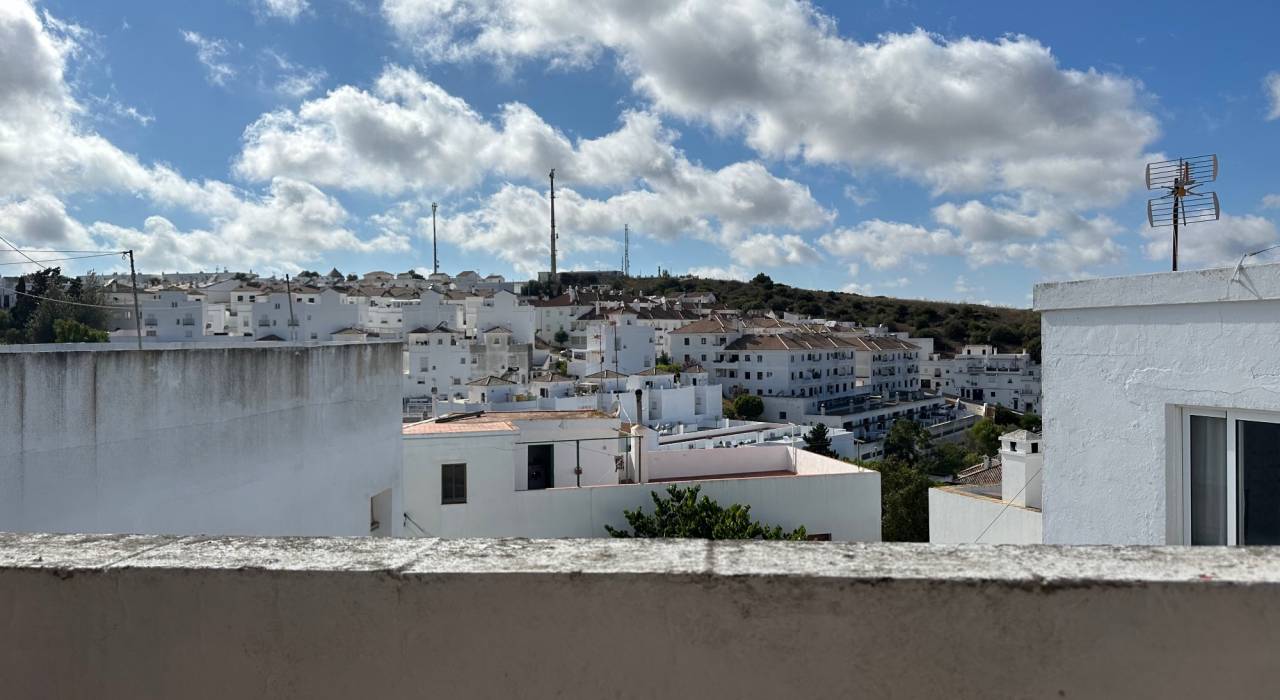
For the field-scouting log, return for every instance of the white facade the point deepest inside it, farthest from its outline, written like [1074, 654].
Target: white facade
[1149, 380]
[504, 497]
[313, 315]
[667, 403]
[502, 310]
[618, 343]
[983, 374]
[437, 362]
[250, 439]
[1007, 512]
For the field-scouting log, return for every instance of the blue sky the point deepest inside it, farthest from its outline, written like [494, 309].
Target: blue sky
[920, 149]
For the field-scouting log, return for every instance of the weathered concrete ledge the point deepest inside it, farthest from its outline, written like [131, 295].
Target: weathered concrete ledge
[1252, 282]
[141, 616]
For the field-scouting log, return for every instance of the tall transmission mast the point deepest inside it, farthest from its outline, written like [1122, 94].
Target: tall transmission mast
[435, 252]
[553, 224]
[626, 250]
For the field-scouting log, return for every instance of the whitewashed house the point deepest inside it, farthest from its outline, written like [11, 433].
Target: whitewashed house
[983, 374]
[1162, 407]
[614, 341]
[437, 362]
[994, 502]
[569, 473]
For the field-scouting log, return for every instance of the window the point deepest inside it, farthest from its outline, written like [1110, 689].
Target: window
[686, 341]
[782, 415]
[1231, 477]
[453, 483]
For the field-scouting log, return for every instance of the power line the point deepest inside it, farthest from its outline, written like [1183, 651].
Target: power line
[65, 301]
[48, 260]
[28, 257]
[1006, 505]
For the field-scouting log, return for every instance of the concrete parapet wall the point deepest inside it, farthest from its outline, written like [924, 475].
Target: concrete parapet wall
[287, 439]
[95, 617]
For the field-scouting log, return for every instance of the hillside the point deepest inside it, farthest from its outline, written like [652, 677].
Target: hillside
[951, 324]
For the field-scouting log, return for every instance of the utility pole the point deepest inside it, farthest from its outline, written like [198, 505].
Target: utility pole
[137, 315]
[293, 332]
[626, 250]
[435, 254]
[553, 225]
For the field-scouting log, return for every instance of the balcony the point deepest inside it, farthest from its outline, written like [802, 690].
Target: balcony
[144, 616]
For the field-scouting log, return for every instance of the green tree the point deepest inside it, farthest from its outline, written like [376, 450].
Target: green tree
[682, 514]
[907, 442]
[1030, 421]
[818, 441]
[748, 406]
[561, 337]
[904, 502]
[68, 330]
[352, 277]
[984, 437]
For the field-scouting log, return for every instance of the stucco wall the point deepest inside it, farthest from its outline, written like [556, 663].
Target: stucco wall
[153, 617]
[1120, 356]
[230, 440]
[958, 518]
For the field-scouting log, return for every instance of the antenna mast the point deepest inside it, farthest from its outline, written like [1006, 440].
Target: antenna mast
[553, 224]
[626, 250]
[1182, 205]
[435, 253]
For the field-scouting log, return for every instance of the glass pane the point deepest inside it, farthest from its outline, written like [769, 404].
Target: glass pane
[1258, 459]
[1208, 480]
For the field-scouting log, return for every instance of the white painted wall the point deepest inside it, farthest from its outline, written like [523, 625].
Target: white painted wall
[1120, 356]
[253, 440]
[962, 518]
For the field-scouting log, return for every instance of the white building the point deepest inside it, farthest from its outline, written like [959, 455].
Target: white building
[983, 374]
[994, 502]
[668, 400]
[437, 362]
[1162, 405]
[504, 309]
[303, 314]
[616, 341]
[568, 474]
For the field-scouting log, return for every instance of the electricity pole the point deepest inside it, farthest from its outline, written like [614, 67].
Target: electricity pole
[626, 250]
[137, 316]
[288, 290]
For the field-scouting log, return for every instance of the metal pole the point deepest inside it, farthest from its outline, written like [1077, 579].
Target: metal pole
[293, 333]
[137, 315]
[553, 226]
[640, 442]
[435, 253]
[577, 470]
[1176, 201]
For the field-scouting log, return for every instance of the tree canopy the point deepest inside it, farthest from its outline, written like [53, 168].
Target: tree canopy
[46, 297]
[748, 406]
[680, 513]
[818, 441]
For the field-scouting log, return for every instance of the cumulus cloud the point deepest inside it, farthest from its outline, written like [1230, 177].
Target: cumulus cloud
[409, 134]
[212, 54]
[732, 272]
[1271, 201]
[962, 115]
[1214, 243]
[1271, 84]
[48, 154]
[885, 244]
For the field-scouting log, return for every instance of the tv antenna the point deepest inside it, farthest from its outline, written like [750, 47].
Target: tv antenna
[1182, 205]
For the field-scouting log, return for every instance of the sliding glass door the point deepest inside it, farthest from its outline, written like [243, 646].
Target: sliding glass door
[1231, 477]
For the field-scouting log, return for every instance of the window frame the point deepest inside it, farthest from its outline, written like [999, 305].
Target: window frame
[1232, 417]
[452, 498]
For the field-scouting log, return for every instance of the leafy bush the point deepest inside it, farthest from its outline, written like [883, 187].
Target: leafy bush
[748, 406]
[682, 514]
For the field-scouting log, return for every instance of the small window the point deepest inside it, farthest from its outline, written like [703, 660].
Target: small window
[453, 483]
[782, 415]
[1035, 447]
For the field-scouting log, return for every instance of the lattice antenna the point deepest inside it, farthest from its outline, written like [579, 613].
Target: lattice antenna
[1182, 204]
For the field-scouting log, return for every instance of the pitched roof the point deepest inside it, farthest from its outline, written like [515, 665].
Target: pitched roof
[1020, 436]
[546, 377]
[438, 328]
[652, 372]
[272, 337]
[980, 474]
[789, 341]
[490, 381]
[496, 329]
[606, 374]
[350, 331]
[713, 324]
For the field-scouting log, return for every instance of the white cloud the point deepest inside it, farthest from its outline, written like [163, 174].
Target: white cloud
[48, 155]
[961, 115]
[40, 222]
[733, 272]
[885, 244]
[290, 79]
[1271, 201]
[1214, 243]
[409, 134]
[212, 54]
[1272, 86]
[288, 10]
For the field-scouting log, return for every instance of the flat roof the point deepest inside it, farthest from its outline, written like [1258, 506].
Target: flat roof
[455, 427]
[1250, 282]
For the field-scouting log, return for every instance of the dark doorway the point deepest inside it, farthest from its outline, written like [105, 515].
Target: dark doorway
[542, 463]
